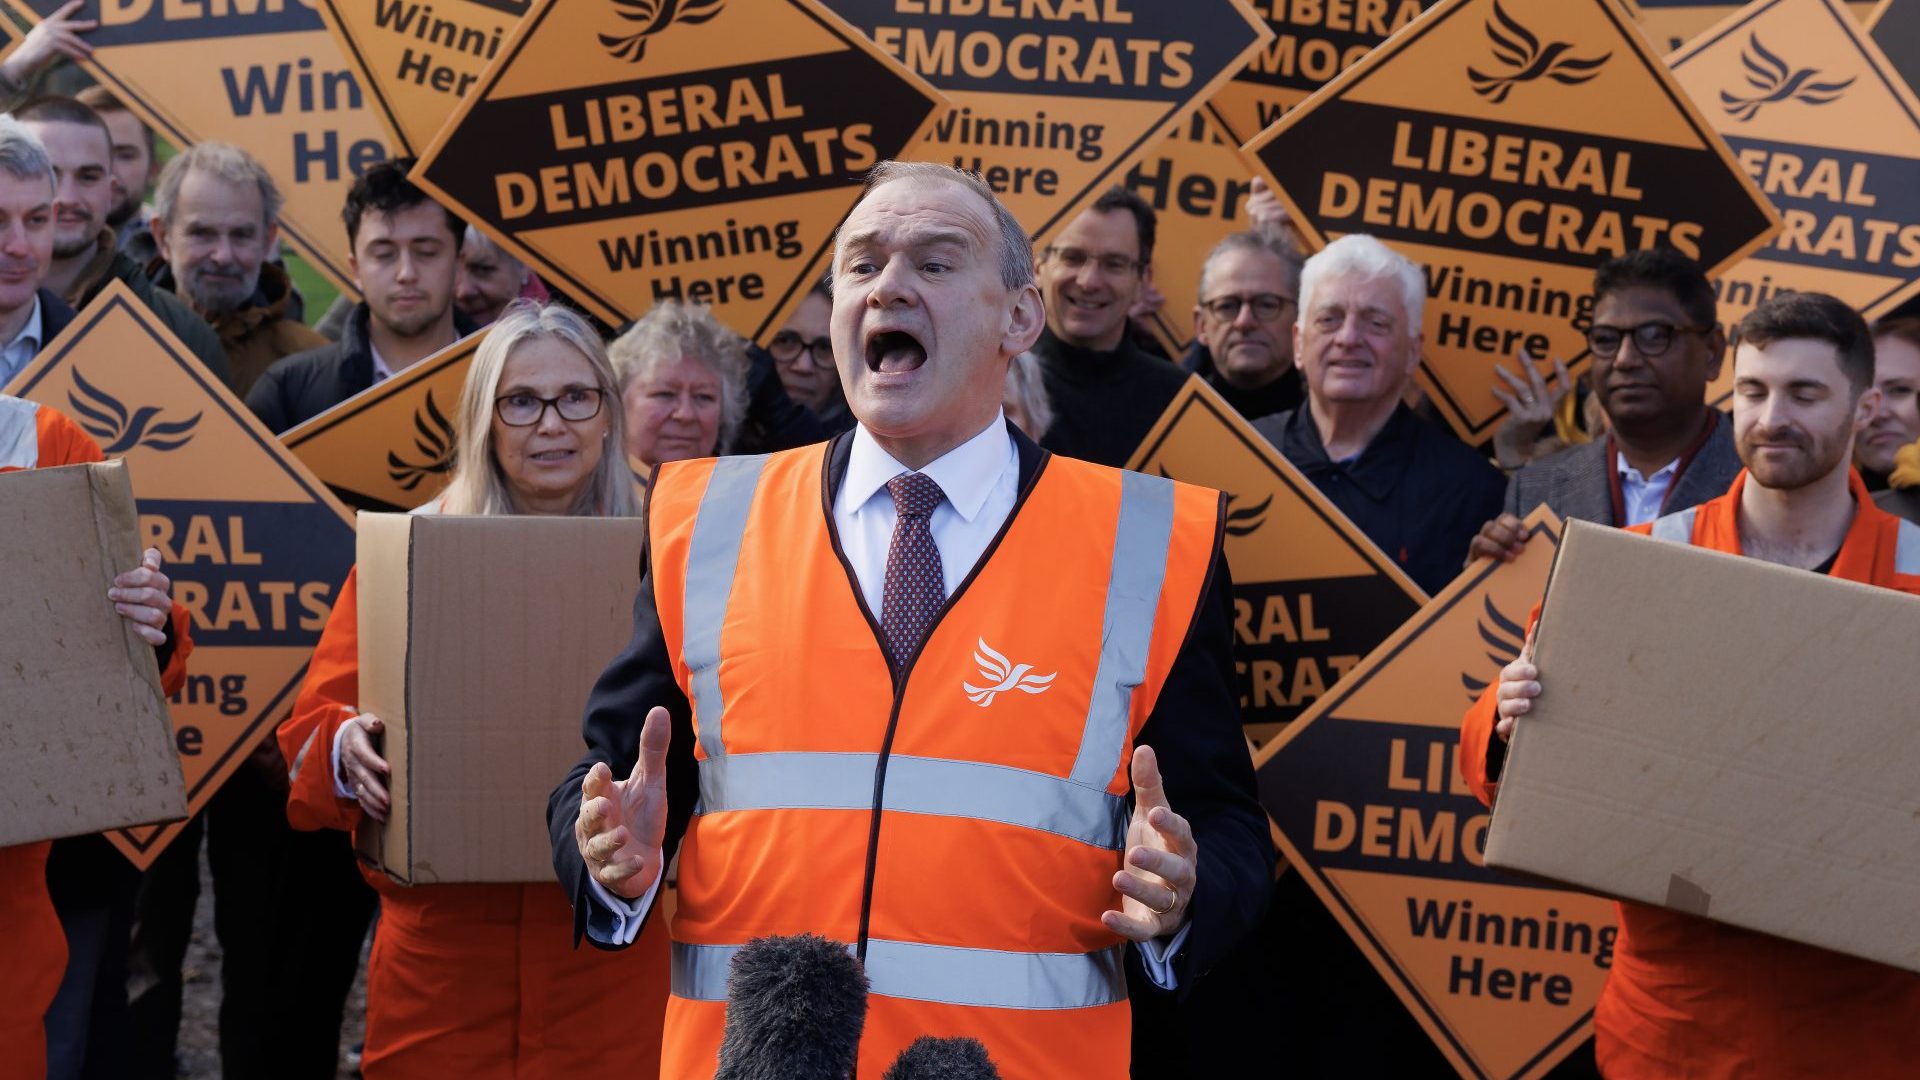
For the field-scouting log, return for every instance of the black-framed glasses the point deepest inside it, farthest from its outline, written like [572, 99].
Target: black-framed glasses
[522, 409]
[1650, 339]
[1111, 264]
[1266, 306]
[787, 346]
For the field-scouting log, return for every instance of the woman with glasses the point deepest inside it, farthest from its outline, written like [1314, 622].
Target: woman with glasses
[682, 380]
[482, 981]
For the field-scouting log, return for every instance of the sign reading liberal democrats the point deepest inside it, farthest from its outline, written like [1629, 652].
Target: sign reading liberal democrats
[419, 58]
[253, 542]
[264, 76]
[1367, 799]
[1672, 23]
[1312, 42]
[1196, 181]
[1509, 147]
[1054, 100]
[1830, 131]
[703, 150]
[1311, 594]
[390, 447]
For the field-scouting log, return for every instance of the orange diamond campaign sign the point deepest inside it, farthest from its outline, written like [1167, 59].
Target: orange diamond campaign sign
[253, 542]
[1312, 43]
[1510, 147]
[390, 447]
[1312, 595]
[264, 76]
[1053, 101]
[1366, 795]
[419, 58]
[705, 150]
[1820, 118]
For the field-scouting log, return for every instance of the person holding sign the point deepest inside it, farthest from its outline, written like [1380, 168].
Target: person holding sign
[1417, 492]
[1690, 997]
[1107, 392]
[491, 278]
[893, 749]
[30, 314]
[478, 981]
[1243, 324]
[37, 966]
[405, 254]
[682, 379]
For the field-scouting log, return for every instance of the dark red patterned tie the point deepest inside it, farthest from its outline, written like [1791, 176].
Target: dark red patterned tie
[916, 587]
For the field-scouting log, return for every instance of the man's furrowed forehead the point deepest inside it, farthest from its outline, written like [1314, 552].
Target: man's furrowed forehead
[916, 211]
[1378, 293]
[1636, 303]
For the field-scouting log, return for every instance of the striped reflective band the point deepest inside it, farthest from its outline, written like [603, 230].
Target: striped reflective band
[300, 759]
[1675, 528]
[915, 785]
[711, 562]
[19, 435]
[942, 974]
[1906, 551]
[1126, 633]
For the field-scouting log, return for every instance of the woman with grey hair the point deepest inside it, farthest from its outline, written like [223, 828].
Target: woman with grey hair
[683, 384]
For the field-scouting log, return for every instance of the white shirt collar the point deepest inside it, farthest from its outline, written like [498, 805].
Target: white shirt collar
[381, 372]
[34, 329]
[965, 473]
[1628, 472]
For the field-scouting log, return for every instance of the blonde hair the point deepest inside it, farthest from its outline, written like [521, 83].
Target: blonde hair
[478, 486]
[673, 330]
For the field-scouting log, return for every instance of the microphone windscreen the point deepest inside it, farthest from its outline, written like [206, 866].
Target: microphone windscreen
[943, 1059]
[795, 1010]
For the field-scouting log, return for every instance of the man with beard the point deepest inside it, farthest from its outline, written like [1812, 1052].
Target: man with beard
[135, 166]
[86, 251]
[405, 253]
[1105, 391]
[1691, 997]
[1243, 324]
[214, 223]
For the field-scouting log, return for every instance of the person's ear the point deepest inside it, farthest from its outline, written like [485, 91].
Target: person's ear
[1025, 319]
[1716, 352]
[157, 227]
[1865, 408]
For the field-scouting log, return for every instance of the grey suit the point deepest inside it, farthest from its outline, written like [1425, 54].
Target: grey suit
[1575, 482]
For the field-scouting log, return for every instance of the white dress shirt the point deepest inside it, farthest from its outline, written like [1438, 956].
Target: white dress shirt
[1643, 495]
[19, 352]
[981, 481]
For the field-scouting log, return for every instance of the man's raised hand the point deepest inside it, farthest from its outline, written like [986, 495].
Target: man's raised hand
[1162, 860]
[623, 823]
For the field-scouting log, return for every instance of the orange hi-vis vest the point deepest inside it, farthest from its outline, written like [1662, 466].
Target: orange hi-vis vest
[960, 824]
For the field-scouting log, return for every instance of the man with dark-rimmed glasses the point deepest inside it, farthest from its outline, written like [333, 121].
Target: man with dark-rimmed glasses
[1656, 344]
[1243, 324]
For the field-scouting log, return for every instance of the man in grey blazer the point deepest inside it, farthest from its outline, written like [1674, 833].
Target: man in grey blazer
[1656, 344]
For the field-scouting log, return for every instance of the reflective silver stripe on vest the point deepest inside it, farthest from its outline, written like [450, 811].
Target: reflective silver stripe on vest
[1675, 528]
[713, 554]
[1906, 551]
[300, 759]
[19, 435]
[915, 785]
[1126, 634]
[942, 974]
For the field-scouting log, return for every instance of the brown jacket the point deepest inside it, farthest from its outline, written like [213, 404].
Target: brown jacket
[259, 333]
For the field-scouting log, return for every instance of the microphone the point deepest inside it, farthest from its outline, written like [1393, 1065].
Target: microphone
[795, 1010]
[943, 1059]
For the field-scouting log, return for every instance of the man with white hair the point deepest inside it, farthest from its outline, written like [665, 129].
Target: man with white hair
[1414, 490]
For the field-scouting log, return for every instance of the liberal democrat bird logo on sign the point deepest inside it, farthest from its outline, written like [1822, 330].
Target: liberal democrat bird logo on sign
[106, 419]
[1000, 676]
[1504, 639]
[654, 16]
[1777, 81]
[1520, 49]
[434, 437]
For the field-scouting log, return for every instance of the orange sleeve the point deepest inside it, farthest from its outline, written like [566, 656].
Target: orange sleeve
[1480, 758]
[62, 442]
[330, 694]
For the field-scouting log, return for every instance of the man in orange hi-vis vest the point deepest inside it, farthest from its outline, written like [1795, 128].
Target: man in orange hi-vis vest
[927, 690]
[1692, 998]
[35, 437]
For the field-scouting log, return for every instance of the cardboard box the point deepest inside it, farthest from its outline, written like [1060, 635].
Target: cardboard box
[85, 741]
[1723, 737]
[480, 638]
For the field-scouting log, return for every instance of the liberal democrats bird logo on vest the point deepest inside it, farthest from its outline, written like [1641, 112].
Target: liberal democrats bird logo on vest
[1000, 675]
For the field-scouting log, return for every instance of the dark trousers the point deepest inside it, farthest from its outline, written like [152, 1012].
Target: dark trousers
[93, 887]
[290, 911]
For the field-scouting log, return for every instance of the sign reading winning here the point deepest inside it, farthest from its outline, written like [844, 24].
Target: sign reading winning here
[703, 150]
[1508, 147]
[419, 58]
[263, 76]
[254, 543]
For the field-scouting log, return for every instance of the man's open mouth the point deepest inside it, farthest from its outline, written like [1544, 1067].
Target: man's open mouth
[891, 352]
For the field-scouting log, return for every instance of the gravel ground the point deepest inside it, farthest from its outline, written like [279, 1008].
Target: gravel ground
[200, 1008]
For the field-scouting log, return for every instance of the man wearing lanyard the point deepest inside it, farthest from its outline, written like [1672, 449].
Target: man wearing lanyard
[1656, 344]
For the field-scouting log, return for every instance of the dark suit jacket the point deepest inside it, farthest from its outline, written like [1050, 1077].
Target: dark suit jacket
[1194, 729]
[1576, 482]
[306, 384]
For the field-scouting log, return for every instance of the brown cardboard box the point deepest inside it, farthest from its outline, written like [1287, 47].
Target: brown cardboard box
[1723, 737]
[85, 740]
[480, 638]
